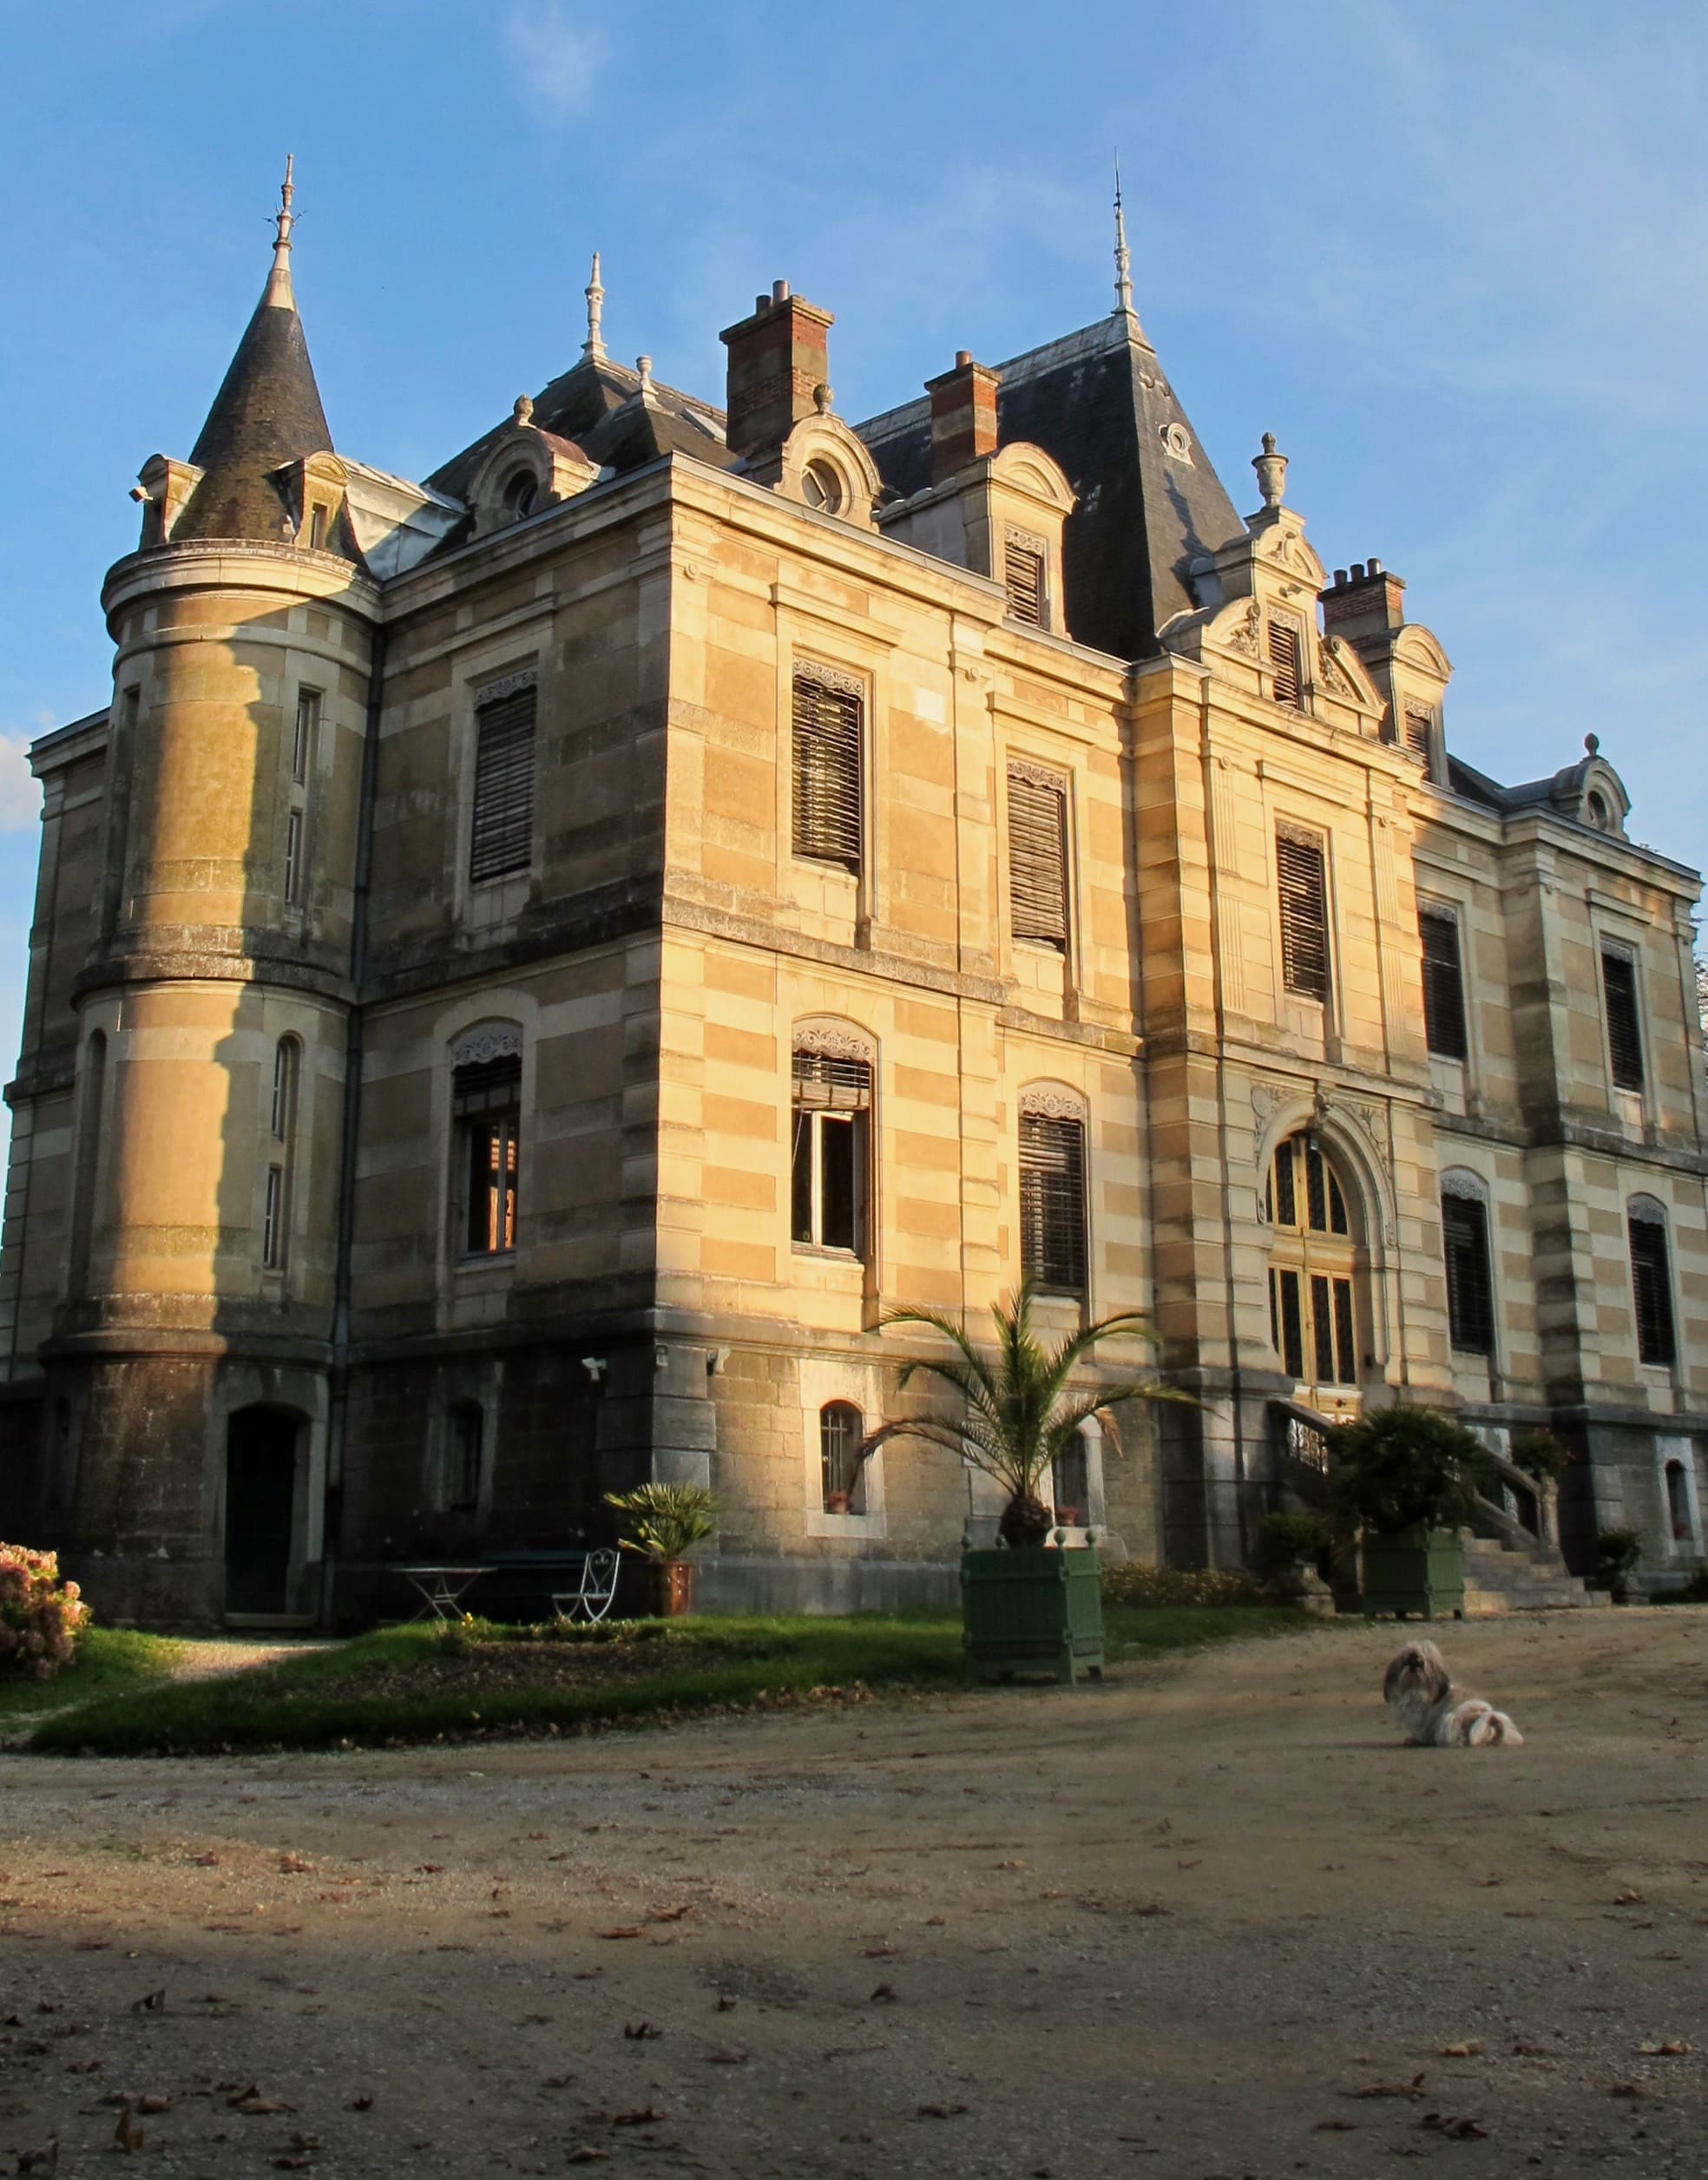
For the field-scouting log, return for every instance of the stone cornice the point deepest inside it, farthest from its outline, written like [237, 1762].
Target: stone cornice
[221, 564]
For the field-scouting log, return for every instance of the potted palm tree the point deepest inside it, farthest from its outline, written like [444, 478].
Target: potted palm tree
[1405, 1478]
[663, 1523]
[1024, 1604]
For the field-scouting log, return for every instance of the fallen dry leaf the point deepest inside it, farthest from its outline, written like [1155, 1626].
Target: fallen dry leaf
[670, 1914]
[1628, 1899]
[1460, 2051]
[586, 2155]
[1012, 1865]
[1674, 2047]
[1457, 2129]
[883, 1953]
[205, 1862]
[644, 2116]
[153, 2003]
[127, 2135]
[150, 2106]
[1413, 2088]
[1624, 2089]
[1335, 2127]
[638, 2031]
[725, 2003]
[253, 2105]
[360, 2104]
[940, 2111]
[729, 2055]
[885, 1995]
[624, 1930]
[293, 1865]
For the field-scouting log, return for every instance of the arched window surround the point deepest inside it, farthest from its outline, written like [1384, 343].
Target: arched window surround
[1353, 1138]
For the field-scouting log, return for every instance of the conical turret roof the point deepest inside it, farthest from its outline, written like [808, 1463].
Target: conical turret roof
[266, 413]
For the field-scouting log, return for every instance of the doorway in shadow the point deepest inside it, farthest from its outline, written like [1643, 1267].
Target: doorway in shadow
[261, 1455]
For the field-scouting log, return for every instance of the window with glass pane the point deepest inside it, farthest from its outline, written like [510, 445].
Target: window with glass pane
[1053, 1202]
[841, 1429]
[1443, 983]
[1470, 1303]
[487, 1098]
[1653, 1286]
[1311, 1319]
[831, 1129]
[302, 741]
[1070, 1484]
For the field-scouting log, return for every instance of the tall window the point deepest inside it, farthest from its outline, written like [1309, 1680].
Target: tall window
[1420, 731]
[1024, 560]
[487, 1100]
[840, 1431]
[829, 1163]
[1470, 1299]
[1304, 913]
[1625, 1036]
[829, 720]
[282, 1129]
[1070, 1484]
[465, 1451]
[91, 1122]
[1678, 1503]
[302, 741]
[1286, 656]
[1038, 856]
[293, 859]
[500, 840]
[1053, 1202]
[1311, 1318]
[1443, 983]
[1650, 1280]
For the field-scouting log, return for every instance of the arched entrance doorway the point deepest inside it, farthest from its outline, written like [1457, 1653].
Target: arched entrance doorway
[1317, 1309]
[262, 1451]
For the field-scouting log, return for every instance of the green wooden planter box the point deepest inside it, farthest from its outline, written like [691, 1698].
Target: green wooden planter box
[1030, 1612]
[1418, 1570]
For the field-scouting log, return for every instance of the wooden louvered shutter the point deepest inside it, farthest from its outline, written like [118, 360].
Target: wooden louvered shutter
[827, 799]
[1443, 984]
[502, 839]
[1653, 1289]
[1052, 1202]
[1470, 1309]
[1420, 731]
[1284, 655]
[1024, 569]
[1038, 857]
[1304, 915]
[1625, 1038]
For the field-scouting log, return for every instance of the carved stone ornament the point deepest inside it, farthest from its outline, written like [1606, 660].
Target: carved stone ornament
[833, 1041]
[1053, 1101]
[1245, 637]
[487, 1042]
[1037, 775]
[1025, 540]
[1334, 676]
[1459, 1180]
[492, 692]
[830, 677]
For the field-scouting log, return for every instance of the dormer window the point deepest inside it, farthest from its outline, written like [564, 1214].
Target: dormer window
[1420, 732]
[822, 488]
[317, 528]
[1287, 659]
[1025, 560]
[1596, 812]
[521, 493]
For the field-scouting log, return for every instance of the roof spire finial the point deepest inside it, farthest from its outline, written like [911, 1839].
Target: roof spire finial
[594, 345]
[1123, 260]
[279, 281]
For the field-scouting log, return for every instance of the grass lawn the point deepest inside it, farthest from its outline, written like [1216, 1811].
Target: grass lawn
[110, 1662]
[410, 1684]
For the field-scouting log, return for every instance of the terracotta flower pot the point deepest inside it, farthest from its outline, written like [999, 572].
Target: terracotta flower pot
[837, 1503]
[672, 1588]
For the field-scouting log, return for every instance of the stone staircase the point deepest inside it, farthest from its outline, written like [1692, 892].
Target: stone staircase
[1507, 1578]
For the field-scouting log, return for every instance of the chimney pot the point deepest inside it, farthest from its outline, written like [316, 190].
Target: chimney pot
[1375, 567]
[761, 303]
[1340, 579]
[1357, 571]
[779, 290]
[963, 357]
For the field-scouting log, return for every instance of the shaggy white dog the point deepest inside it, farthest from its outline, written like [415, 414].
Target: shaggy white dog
[1435, 1714]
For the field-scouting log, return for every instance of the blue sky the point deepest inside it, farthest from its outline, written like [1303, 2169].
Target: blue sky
[1452, 255]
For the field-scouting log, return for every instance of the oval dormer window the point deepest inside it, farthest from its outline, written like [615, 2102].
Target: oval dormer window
[821, 487]
[1596, 812]
[521, 493]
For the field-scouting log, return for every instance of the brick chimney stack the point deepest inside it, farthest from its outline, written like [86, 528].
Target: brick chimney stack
[778, 361]
[1369, 603]
[963, 416]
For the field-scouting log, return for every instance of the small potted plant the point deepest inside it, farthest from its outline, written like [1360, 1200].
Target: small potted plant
[663, 1523]
[1028, 1604]
[1406, 1478]
[1618, 1552]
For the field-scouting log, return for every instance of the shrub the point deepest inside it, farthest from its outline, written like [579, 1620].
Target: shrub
[1541, 1455]
[1397, 1467]
[39, 1614]
[664, 1521]
[1133, 1584]
[1284, 1539]
[1619, 1550]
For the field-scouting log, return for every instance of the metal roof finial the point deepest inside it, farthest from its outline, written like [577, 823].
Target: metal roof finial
[1123, 260]
[279, 280]
[594, 345]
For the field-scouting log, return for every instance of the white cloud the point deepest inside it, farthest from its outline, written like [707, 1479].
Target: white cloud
[20, 792]
[554, 59]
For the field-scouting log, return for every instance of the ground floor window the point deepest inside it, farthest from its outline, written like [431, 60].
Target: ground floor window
[841, 1431]
[1311, 1317]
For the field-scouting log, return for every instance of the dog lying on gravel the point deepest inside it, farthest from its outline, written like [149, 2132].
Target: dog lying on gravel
[1419, 1692]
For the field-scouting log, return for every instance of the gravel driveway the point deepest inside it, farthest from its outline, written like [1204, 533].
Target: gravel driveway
[1209, 1920]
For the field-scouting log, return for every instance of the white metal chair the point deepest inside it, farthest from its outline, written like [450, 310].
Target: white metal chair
[591, 1599]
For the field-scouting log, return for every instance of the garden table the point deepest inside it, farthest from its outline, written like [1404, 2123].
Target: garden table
[441, 1589]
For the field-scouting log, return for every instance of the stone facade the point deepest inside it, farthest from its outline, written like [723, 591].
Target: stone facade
[261, 1349]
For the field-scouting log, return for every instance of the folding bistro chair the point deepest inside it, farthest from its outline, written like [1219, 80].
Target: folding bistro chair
[592, 1599]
